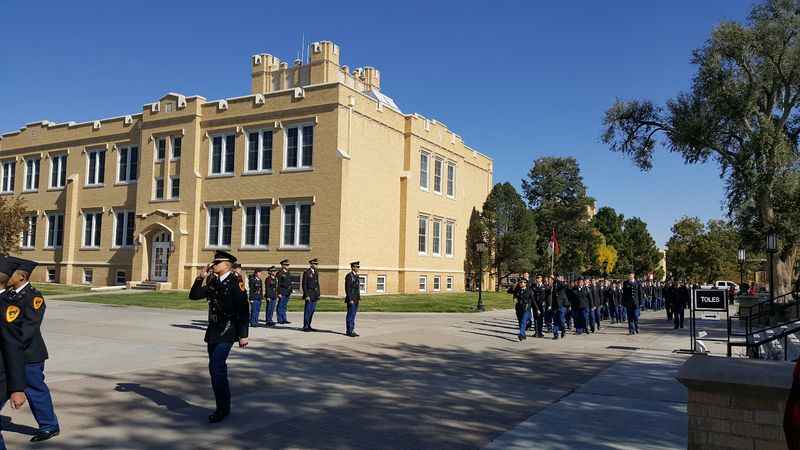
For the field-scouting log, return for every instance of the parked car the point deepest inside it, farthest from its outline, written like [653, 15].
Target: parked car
[722, 284]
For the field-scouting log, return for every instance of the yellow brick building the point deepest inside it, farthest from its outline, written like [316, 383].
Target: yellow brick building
[315, 162]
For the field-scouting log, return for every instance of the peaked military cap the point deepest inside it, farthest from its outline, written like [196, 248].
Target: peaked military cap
[24, 265]
[313, 261]
[285, 262]
[220, 256]
[355, 264]
[7, 265]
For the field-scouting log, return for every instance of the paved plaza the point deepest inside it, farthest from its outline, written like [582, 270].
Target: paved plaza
[137, 378]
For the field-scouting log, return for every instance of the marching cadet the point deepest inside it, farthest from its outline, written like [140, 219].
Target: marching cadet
[597, 303]
[669, 300]
[228, 315]
[284, 291]
[682, 298]
[524, 298]
[271, 291]
[352, 292]
[31, 306]
[514, 291]
[632, 299]
[256, 293]
[12, 362]
[539, 305]
[560, 303]
[310, 284]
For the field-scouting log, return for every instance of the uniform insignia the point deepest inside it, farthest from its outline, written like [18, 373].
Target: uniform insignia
[37, 302]
[12, 312]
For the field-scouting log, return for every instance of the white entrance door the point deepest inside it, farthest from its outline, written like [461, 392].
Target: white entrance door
[160, 257]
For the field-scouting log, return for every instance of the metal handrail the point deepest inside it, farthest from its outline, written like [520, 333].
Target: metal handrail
[771, 305]
[782, 335]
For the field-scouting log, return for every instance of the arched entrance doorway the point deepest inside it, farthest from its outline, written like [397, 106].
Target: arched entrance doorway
[159, 256]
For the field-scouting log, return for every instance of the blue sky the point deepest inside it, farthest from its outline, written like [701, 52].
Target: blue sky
[518, 80]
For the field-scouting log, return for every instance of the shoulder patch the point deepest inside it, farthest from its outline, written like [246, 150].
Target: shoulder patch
[38, 302]
[12, 312]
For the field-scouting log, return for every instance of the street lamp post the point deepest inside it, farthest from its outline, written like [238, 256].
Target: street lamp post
[741, 256]
[772, 248]
[480, 247]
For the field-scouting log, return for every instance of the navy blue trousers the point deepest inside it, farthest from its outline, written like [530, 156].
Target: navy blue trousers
[283, 305]
[558, 320]
[270, 310]
[218, 369]
[523, 321]
[39, 398]
[308, 313]
[255, 310]
[633, 320]
[350, 319]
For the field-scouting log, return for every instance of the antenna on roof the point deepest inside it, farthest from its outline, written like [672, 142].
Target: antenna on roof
[303, 53]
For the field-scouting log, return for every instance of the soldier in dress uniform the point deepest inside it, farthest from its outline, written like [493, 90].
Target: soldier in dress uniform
[271, 292]
[632, 298]
[30, 303]
[284, 291]
[310, 284]
[539, 305]
[228, 317]
[560, 303]
[352, 293]
[524, 297]
[256, 293]
[12, 362]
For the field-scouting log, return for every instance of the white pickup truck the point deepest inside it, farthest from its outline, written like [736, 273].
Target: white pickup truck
[722, 284]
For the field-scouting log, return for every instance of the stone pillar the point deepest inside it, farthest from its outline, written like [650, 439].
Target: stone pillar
[72, 222]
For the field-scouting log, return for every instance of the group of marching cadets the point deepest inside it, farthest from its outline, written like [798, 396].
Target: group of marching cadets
[23, 348]
[551, 304]
[234, 305]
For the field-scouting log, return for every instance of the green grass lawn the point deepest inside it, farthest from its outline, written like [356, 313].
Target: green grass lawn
[49, 289]
[456, 302]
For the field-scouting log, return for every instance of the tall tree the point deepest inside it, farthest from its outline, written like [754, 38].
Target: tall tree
[742, 112]
[703, 252]
[511, 232]
[555, 191]
[640, 249]
[474, 262]
[682, 261]
[12, 223]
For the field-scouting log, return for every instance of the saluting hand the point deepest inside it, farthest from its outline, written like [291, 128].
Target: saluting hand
[17, 399]
[243, 342]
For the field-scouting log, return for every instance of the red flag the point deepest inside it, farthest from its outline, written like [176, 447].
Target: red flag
[554, 247]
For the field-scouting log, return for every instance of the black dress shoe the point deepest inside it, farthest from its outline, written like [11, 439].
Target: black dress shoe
[520, 337]
[354, 334]
[218, 416]
[312, 329]
[44, 435]
[306, 329]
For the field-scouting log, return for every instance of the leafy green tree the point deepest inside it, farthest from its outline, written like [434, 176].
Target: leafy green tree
[476, 232]
[682, 262]
[640, 249]
[703, 252]
[12, 215]
[511, 232]
[741, 112]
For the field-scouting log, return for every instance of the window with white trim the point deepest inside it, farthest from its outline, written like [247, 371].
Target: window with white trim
[127, 164]
[51, 275]
[299, 152]
[55, 230]
[92, 226]
[121, 277]
[297, 224]
[220, 225]
[88, 276]
[256, 226]
[222, 154]
[451, 180]
[362, 284]
[423, 283]
[437, 175]
[96, 167]
[8, 176]
[437, 282]
[449, 282]
[424, 160]
[29, 232]
[380, 283]
[437, 237]
[32, 172]
[422, 246]
[161, 148]
[174, 187]
[124, 225]
[58, 171]
[158, 189]
[259, 151]
[175, 151]
[448, 239]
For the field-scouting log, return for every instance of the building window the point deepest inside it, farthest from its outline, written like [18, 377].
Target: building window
[128, 164]
[121, 278]
[437, 176]
[88, 276]
[451, 180]
[423, 235]
[259, 151]
[449, 282]
[223, 151]
[124, 224]
[299, 147]
[437, 283]
[175, 187]
[51, 275]
[161, 149]
[159, 189]
[55, 230]
[29, 232]
[437, 237]
[58, 171]
[9, 175]
[92, 226]
[296, 224]
[423, 283]
[220, 222]
[256, 226]
[95, 174]
[424, 158]
[32, 166]
[362, 284]
[380, 283]
[177, 141]
[448, 239]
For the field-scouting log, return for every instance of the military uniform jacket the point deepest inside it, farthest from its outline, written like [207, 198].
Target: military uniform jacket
[540, 297]
[631, 294]
[608, 297]
[310, 283]
[284, 283]
[271, 290]
[597, 295]
[29, 306]
[584, 297]
[524, 298]
[228, 308]
[256, 288]
[352, 288]
[561, 295]
[12, 362]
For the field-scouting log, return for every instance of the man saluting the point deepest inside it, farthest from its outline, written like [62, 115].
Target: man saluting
[228, 321]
